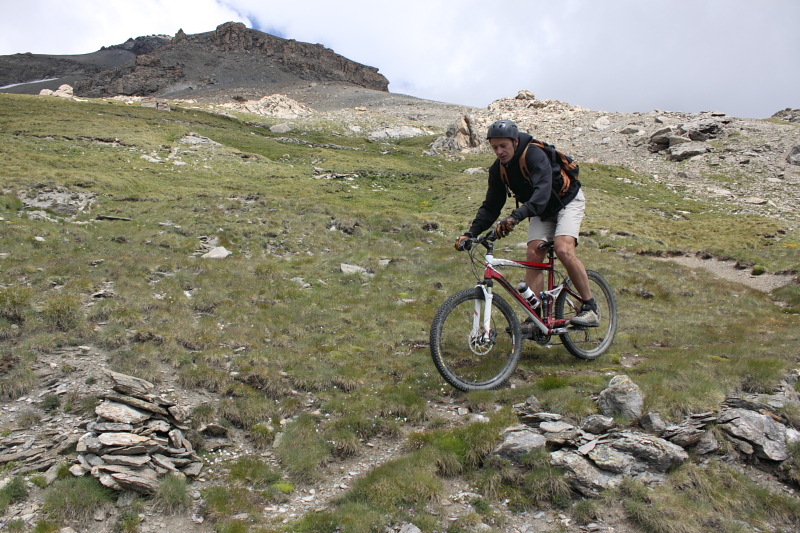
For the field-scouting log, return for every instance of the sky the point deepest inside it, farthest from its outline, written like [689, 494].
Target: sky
[740, 57]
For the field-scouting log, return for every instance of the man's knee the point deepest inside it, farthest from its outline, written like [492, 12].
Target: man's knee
[565, 249]
[534, 253]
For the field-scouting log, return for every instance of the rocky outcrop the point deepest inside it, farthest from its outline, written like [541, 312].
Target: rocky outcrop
[230, 56]
[142, 45]
[592, 461]
[788, 114]
[146, 76]
[275, 105]
[136, 437]
[597, 455]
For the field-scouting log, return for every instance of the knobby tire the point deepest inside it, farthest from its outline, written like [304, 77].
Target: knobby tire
[467, 365]
[589, 343]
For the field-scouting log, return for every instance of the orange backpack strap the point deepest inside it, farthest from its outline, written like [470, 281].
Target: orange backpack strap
[504, 177]
[523, 161]
[564, 164]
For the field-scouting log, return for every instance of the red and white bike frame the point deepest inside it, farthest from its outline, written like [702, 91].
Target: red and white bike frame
[547, 324]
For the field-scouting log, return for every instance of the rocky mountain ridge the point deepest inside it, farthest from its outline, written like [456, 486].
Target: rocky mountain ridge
[201, 65]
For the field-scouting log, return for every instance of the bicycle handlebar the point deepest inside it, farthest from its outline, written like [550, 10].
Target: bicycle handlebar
[487, 240]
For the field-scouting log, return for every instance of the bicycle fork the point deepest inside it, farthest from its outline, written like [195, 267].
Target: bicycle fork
[482, 322]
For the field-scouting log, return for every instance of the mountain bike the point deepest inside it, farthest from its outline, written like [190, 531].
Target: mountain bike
[476, 338]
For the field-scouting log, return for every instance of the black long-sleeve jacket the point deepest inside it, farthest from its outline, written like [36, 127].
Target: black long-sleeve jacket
[537, 193]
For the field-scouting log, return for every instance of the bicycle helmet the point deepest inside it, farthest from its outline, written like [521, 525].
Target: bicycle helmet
[503, 128]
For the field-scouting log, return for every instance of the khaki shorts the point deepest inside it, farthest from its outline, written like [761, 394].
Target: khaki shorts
[567, 222]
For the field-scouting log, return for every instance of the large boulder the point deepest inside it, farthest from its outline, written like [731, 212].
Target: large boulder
[519, 440]
[660, 140]
[627, 454]
[759, 432]
[583, 475]
[461, 136]
[622, 397]
[635, 453]
[702, 129]
[684, 151]
[794, 156]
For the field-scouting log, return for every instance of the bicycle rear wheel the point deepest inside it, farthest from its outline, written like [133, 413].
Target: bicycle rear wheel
[465, 357]
[589, 343]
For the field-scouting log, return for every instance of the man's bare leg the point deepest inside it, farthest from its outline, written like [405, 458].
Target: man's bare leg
[565, 251]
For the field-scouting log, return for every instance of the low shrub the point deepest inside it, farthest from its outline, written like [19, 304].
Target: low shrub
[15, 303]
[62, 311]
[252, 471]
[75, 498]
[15, 491]
[302, 449]
[171, 495]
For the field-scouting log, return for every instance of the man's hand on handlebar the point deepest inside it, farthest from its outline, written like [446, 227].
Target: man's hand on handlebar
[463, 243]
[505, 226]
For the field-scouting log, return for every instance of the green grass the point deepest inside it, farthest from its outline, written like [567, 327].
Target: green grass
[172, 495]
[223, 502]
[75, 499]
[14, 491]
[709, 497]
[277, 331]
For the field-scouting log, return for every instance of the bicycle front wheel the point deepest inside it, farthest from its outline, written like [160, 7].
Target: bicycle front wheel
[468, 357]
[589, 343]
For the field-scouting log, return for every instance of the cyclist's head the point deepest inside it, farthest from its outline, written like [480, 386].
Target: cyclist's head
[503, 128]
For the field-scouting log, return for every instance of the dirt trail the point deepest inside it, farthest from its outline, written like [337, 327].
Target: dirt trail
[727, 270]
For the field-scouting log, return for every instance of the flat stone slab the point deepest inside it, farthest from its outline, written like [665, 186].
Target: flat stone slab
[126, 460]
[137, 403]
[125, 384]
[119, 412]
[122, 439]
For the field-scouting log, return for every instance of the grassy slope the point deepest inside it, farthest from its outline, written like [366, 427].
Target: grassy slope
[351, 340]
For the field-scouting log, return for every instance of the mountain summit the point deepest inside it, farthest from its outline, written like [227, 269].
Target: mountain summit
[231, 60]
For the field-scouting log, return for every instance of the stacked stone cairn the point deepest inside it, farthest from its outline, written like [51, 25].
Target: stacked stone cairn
[137, 438]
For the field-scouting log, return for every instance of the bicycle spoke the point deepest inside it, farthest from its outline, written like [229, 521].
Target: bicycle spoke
[590, 342]
[471, 360]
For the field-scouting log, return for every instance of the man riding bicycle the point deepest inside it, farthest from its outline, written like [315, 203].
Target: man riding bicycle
[551, 216]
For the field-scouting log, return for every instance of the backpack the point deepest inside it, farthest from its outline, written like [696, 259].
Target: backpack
[569, 168]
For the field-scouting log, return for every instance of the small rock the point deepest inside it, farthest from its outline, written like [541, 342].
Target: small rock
[597, 424]
[653, 423]
[77, 470]
[217, 253]
[281, 128]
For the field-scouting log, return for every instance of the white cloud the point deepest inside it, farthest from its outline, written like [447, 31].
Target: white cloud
[82, 26]
[617, 55]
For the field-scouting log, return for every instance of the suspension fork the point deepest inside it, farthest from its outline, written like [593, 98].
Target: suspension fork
[482, 323]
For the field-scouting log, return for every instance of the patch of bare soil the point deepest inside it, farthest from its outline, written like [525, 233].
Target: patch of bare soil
[728, 270]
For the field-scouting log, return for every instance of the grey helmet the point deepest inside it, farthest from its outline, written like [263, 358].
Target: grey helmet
[503, 128]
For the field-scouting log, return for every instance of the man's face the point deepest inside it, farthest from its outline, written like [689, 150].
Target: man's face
[503, 148]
